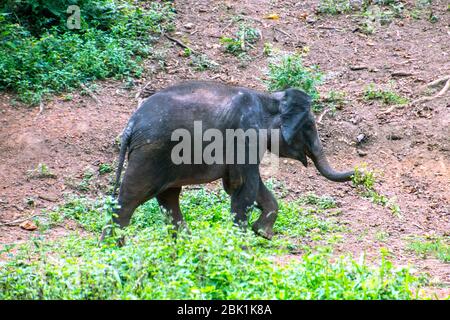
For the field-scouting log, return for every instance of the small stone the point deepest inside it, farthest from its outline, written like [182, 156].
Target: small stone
[189, 25]
[48, 197]
[361, 153]
[358, 67]
[394, 136]
[28, 225]
[361, 137]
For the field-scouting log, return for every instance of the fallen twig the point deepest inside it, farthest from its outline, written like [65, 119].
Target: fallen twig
[283, 32]
[180, 43]
[330, 28]
[401, 74]
[227, 26]
[418, 226]
[90, 93]
[322, 115]
[139, 94]
[392, 108]
[41, 108]
[18, 221]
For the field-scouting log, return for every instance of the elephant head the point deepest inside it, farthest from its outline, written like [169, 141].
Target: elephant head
[300, 137]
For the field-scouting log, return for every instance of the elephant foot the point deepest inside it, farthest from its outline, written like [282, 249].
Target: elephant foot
[180, 227]
[263, 231]
[107, 233]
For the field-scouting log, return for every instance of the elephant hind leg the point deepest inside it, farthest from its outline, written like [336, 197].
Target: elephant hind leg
[269, 207]
[133, 192]
[170, 200]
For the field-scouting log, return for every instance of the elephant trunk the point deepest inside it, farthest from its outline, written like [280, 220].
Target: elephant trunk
[321, 163]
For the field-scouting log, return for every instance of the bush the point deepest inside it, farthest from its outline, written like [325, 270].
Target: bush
[289, 72]
[39, 55]
[215, 261]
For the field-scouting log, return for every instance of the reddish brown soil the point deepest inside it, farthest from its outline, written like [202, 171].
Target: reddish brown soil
[410, 145]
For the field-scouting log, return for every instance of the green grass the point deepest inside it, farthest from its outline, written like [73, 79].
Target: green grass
[288, 71]
[215, 261]
[387, 97]
[40, 56]
[438, 247]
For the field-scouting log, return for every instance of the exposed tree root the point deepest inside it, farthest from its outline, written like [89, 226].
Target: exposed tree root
[319, 121]
[392, 108]
[438, 81]
[440, 93]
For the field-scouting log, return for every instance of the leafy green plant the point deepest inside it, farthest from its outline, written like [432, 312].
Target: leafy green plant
[323, 202]
[105, 168]
[335, 100]
[382, 236]
[376, 13]
[289, 72]
[386, 96]
[267, 49]
[244, 39]
[41, 172]
[85, 183]
[39, 55]
[365, 180]
[187, 52]
[294, 221]
[85, 211]
[216, 260]
[202, 62]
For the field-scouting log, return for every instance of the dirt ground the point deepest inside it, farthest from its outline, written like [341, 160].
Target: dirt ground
[409, 145]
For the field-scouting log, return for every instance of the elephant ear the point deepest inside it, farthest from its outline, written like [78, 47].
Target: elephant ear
[294, 111]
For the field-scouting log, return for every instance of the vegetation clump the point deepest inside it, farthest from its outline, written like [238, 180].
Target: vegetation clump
[216, 260]
[42, 171]
[288, 71]
[41, 55]
[435, 246]
[365, 179]
[388, 97]
[243, 40]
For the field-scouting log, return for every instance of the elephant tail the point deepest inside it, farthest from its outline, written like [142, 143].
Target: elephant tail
[125, 142]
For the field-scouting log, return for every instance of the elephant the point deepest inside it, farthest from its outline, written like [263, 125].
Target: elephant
[148, 137]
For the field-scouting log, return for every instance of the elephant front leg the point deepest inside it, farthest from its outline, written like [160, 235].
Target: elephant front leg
[243, 197]
[269, 212]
